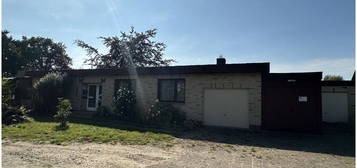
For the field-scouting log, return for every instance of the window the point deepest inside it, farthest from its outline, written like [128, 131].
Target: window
[171, 90]
[100, 96]
[124, 83]
[84, 91]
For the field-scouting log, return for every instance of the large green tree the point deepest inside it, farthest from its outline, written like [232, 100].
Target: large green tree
[43, 54]
[34, 53]
[10, 55]
[133, 49]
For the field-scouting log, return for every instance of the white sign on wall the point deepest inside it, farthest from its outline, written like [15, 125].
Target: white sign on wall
[302, 98]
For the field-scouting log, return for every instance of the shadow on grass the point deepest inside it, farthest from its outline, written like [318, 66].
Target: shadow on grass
[333, 140]
[61, 128]
[108, 123]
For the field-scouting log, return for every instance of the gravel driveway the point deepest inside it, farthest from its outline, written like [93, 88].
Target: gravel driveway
[190, 150]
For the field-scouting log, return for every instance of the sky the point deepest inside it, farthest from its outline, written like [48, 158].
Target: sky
[293, 35]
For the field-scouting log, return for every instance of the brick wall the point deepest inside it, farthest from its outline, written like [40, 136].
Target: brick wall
[147, 90]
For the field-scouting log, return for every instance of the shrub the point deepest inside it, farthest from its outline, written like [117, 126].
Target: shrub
[47, 91]
[63, 112]
[163, 114]
[124, 104]
[8, 91]
[191, 124]
[178, 117]
[13, 115]
[102, 111]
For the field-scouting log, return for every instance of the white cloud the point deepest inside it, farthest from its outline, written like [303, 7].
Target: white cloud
[335, 66]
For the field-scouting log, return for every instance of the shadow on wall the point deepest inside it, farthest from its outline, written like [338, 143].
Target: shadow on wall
[334, 139]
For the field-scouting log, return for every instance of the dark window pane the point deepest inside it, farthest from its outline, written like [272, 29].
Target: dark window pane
[172, 90]
[124, 83]
[180, 90]
[167, 90]
[100, 96]
[133, 85]
[116, 86]
[84, 92]
[92, 96]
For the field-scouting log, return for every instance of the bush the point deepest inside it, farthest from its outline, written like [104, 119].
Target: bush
[164, 114]
[8, 91]
[63, 112]
[102, 111]
[47, 91]
[13, 115]
[124, 104]
[191, 124]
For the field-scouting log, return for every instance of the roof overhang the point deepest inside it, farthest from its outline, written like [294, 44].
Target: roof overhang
[167, 70]
[338, 83]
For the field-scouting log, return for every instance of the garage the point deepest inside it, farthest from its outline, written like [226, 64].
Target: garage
[226, 108]
[334, 107]
[292, 102]
[338, 101]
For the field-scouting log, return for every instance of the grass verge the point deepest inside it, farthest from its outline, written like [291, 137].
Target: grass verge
[46, 132]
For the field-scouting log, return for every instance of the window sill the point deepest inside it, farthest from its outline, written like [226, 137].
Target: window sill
[163, 101]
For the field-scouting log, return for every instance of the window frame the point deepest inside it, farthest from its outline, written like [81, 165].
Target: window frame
[175, 90]
[132, 84]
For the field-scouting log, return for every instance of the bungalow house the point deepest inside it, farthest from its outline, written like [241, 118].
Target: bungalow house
[221, 95]
[226, 95]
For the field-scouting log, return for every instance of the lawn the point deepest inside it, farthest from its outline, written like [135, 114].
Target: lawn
[46, 132]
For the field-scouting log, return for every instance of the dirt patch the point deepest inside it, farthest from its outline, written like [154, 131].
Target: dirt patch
[185, 153]
[22, 154]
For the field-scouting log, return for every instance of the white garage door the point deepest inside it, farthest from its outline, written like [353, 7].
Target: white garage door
[226, 107]
[334, 107]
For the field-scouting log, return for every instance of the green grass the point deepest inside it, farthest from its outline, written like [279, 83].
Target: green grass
[46, 132]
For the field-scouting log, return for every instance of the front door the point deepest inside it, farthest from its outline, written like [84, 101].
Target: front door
[93, 97]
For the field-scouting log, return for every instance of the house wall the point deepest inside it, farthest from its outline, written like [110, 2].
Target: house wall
[350, 90]
[195, 84]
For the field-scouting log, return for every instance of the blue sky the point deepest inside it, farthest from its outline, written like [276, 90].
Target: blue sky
[293, 35]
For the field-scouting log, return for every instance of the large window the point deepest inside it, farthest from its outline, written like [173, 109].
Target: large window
[171, 90]
[124, 83]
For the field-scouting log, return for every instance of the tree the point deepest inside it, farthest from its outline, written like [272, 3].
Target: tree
[35, 54]
[43, 54]
[333, 78]
[10, 55]
[128, 50]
